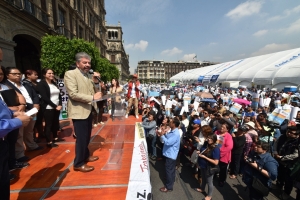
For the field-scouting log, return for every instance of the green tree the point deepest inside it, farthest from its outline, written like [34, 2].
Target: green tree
[58, 53]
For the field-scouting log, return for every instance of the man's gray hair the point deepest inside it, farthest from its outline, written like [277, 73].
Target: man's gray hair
[80, 55]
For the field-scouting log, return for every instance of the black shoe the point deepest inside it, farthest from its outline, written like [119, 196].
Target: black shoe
[153, 157]
[38, 148]
[23, 159]
[12, 177]
[21, 165]
[37, 140]
[52, 145]
[58, 140]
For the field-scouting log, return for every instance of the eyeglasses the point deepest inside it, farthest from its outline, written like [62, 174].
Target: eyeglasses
[15, 74]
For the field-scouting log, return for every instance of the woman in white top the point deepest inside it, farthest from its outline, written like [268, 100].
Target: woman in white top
[51, 105]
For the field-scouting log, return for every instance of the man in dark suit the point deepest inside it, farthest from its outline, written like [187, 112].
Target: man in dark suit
[9, 121]
[80, 87]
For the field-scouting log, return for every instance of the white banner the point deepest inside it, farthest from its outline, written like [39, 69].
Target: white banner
[139, 186]
[63, 91]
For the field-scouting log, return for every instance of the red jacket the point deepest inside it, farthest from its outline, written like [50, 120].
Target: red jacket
[137, 92]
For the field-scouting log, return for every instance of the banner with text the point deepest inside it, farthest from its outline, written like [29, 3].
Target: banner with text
[139, 186]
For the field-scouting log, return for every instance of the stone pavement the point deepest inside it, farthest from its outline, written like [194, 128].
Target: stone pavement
[234, 189]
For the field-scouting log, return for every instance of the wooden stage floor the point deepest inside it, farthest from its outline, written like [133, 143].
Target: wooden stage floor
[51, 175]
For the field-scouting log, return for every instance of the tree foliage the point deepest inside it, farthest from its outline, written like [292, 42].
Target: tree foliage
[58, 53]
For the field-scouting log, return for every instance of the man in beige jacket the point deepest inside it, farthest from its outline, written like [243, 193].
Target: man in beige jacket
[80, 87]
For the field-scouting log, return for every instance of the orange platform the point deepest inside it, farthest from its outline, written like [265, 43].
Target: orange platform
[51, 175]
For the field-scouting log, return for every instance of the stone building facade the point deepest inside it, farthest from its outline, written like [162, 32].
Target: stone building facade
[160, 71]
[115, 51]
[24, 22]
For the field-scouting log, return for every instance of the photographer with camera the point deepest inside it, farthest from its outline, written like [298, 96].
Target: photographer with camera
[286, 153]
[260, 171]
[149, 124]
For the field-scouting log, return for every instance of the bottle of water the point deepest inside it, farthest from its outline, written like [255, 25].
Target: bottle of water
[64, 113]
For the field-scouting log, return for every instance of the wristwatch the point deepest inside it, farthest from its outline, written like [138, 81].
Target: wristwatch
[259, 168]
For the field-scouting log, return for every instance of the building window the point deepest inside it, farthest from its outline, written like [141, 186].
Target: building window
[80, 33]
[112, 58]
[113, 35]
[61, 20]
[29, 7]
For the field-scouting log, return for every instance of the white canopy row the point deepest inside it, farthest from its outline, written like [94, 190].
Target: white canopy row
[276, 70]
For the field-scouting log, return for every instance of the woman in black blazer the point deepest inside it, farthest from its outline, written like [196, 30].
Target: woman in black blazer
[51, 105]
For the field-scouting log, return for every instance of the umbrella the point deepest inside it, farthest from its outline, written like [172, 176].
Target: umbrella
[204, 95]
[167, 92]
[153, 94]
[208, 100]
[242, 101]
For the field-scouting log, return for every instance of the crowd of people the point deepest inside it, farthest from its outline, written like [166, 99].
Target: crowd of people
[218, 141]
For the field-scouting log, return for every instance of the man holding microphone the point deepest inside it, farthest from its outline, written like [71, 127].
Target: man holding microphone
[82, 96]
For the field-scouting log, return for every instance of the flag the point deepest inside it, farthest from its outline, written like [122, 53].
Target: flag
[195, 57]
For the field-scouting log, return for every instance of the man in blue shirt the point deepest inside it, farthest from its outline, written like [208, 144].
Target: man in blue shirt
[170, 151]
[263, 166]
[9, 121]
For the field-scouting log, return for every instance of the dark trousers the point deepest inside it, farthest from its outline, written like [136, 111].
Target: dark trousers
[170, 173]
[284, 179]
[83, 130]
[51, 117]
[254, 195]
[11, 138]
[101, 105]
[115, 106]
[223, 171]
[39, 123]
[4, 170]
[235, 164]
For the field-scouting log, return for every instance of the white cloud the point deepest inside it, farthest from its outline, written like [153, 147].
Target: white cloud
[212, 43]
[271, 48]
[189, 57]
[171, 52]
[285, 14]
[260, 33]
[247, 8]
[142, 45]
[293, 28]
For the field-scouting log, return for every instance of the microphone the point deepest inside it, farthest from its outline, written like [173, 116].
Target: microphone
[97, 77]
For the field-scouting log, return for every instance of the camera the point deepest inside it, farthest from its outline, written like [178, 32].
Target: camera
[249, 160]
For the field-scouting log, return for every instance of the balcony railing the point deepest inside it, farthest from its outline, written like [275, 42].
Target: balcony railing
[31, 9]
[66, 32]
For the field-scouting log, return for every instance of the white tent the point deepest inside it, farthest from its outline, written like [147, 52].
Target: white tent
[272, 70]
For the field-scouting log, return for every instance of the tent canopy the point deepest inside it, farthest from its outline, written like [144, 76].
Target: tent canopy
[270, 69]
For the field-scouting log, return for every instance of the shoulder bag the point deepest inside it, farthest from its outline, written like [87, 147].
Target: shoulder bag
[10, 97]
[259, 187]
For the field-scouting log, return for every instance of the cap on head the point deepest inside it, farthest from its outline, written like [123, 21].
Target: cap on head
[197, 121]
[134, 76]
[251, 124]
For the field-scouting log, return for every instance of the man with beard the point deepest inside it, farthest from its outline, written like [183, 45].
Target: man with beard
[80, 87]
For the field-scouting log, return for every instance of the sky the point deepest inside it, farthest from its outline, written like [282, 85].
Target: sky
[211, 30]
